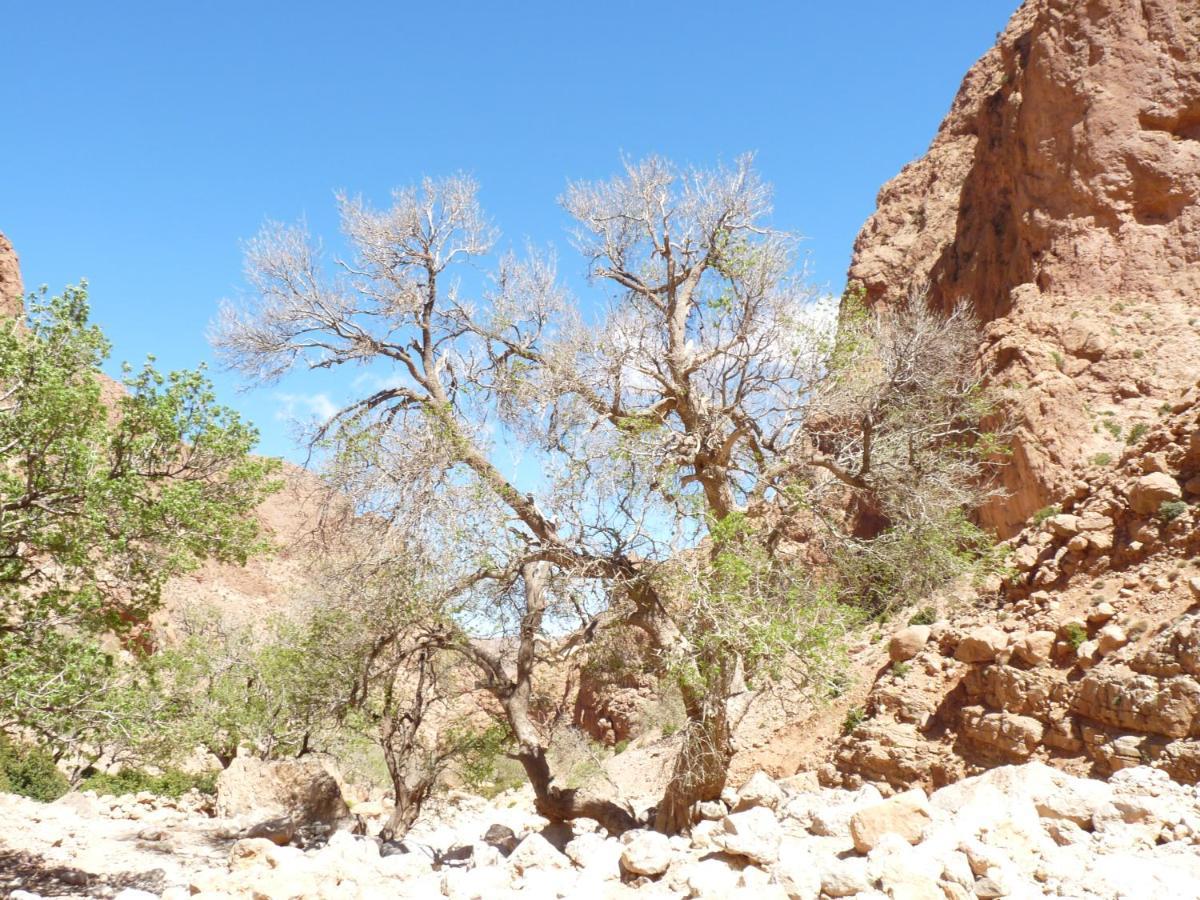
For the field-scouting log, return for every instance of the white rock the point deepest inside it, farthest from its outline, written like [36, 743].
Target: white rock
[759, 790]
[535, 852]
[754, 834]
[645, 852]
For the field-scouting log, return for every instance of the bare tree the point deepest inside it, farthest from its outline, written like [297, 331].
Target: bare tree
[662, 425]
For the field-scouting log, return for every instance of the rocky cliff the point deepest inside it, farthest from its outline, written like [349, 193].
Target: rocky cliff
[11, 289]
[1059, 199]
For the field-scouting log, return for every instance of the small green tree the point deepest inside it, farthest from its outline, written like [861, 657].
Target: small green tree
[100, 504]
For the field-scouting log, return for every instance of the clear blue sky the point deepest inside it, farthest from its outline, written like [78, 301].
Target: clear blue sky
[143, 141]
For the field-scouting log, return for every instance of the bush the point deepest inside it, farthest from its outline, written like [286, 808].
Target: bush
[1136, 433]
[854, 717]
[30, 771]
[171, 783]
[1076, 635]
[1046, 512]
[926, 615]
[1169, 510]
[1102, 459]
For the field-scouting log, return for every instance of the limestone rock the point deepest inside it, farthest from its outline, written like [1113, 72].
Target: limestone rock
[1151, 491]
[981, 645]
[754, 834]
[905, 814]
[535, 852]
[908, 642]
[760, 790]
[645, 852]
[301, 789]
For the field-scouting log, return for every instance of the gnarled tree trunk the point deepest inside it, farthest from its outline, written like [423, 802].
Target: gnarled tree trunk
[703, 762]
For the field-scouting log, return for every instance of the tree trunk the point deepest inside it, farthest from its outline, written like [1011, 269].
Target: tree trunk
[703, 762]
[556, 804]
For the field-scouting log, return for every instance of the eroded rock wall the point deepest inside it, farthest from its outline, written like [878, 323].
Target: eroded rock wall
[1059, 199]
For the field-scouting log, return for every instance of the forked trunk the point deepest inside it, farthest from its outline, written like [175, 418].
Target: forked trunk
[701, 766]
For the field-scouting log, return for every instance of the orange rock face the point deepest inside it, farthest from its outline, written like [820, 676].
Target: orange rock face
[11, 290]
[1059, 199]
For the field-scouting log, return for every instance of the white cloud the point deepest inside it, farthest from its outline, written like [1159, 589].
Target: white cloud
[293, 406]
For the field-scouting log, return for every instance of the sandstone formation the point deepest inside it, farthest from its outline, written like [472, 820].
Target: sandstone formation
[1059, 199]
[1087, 656]
[12, 291]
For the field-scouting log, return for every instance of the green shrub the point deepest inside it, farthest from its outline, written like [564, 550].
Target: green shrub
[621, 747]
[171, 783]
[30, 771]
[854, 717]
[1136, 433]
[1169, 510]
[926, 615]
[1059, 362]
[901, 669]
[1076, 635]
[1102, 459]
[1113, 428]
[1046, 512]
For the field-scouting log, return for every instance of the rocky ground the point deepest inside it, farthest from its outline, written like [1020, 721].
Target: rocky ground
[1016, 831]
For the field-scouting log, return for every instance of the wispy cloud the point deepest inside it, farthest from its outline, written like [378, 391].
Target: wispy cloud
[294, 406]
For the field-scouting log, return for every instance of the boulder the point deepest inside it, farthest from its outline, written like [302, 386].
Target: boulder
[759, 790]
[301, 789]
[906, 815]
[754, 834]
[981, 645]
[1149, 492]
[501, 837]
[645, 852]
[1036, 648]
[908, 642]
[535, 852]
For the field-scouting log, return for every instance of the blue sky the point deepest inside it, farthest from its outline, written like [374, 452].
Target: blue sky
[145, 141]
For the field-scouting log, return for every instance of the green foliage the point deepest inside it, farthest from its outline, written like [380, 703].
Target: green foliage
[100, 505]
[926, 615]
[269, 689]
[1136, 433]
[855, 716]
[1059, 362]
[901, 669]
[30, 771]
[1169, 510]
[1113, 428]
[169, 783]
[482, 757]
[903, 564]
[1102, 459]
[750, 605]
[621, 746]
[1076, 635]
[1045, 513]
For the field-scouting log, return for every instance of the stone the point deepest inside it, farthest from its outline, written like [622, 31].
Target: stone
[1036, 648]
[906, 815]
[596, 853]
[797, 871]
[535, 852]
[280, 830]
[1110, 638]
[759, 790]
[299, 788]
[908, 642]
[1151, 491]
[501, 837]
[981, 645]
[754, 834]
[645, 852]
[711, 810]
